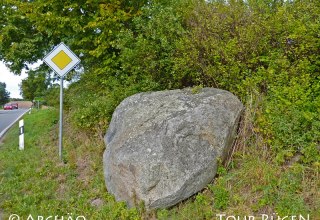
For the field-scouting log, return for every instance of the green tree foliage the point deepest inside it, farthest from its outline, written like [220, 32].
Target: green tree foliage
[4, 94]
[148, 49]
[52, 95]
[267, 48]
[35, 85]
[30, 29]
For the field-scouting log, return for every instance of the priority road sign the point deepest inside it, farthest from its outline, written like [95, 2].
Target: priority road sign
[61, 59]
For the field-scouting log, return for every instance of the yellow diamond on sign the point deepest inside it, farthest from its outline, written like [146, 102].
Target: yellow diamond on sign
[61, 60]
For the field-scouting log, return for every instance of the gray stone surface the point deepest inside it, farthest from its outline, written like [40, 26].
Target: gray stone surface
[162, 147]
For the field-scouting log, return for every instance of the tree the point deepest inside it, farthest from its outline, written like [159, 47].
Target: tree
[30, 29]
[269, 48]
[35, 85]
[4, 94]
[148, 48]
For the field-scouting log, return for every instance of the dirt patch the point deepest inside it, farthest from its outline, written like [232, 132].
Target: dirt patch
[97, 203]
[24, 104]
[83, 169]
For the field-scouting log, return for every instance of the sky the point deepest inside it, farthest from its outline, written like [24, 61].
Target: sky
[12, 81]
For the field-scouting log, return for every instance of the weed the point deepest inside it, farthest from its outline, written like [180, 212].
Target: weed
[35, 181]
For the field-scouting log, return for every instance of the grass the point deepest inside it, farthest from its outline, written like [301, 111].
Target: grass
[35, 182]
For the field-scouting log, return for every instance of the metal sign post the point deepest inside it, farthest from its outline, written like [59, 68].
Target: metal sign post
[61, 60]
[61, 118]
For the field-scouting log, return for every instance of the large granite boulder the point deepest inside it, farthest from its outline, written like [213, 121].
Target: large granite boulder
[163, 147]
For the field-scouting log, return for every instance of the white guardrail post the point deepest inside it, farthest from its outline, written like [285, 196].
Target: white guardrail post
[21, 135]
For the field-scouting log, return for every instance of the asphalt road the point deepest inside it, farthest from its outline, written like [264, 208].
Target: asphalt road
[8, 117]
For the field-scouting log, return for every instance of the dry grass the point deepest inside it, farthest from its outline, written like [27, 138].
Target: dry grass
[246, 131]
[254, 183]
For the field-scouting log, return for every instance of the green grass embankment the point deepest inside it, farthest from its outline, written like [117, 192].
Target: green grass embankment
[35, 182]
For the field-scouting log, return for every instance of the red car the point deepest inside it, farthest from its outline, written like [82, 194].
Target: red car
[14, 105]
[8, 107]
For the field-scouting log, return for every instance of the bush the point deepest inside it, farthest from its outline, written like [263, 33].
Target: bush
[266, 49]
